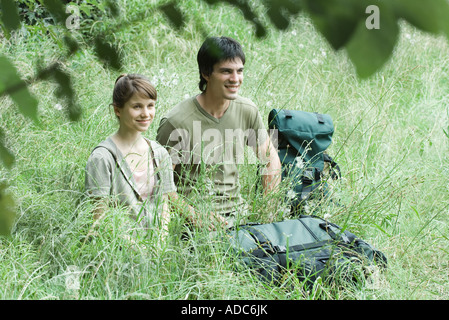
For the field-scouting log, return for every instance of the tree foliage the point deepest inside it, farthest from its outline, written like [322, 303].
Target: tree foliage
[343, 23]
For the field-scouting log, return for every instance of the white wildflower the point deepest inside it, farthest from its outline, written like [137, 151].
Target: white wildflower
[291, 194]
[299, 163]
[58, 107]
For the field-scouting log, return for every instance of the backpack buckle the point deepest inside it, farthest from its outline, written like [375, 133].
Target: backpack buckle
[308, 176]
[278, 249]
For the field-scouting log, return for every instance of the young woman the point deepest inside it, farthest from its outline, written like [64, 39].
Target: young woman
[127, 168]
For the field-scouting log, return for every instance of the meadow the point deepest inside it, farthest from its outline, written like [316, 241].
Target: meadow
[390, 141]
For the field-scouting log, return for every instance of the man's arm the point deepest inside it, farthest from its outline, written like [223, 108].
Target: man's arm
[271, 173]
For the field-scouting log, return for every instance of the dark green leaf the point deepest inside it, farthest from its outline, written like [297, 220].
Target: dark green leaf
[260, 29]
[71, 44]
[280, 12]
[5, 155]
[443, 18]
[249, 15]
[369, 49]
[57, 10]
[27, 103]
[429, 16]
[113, 8]
[7, 211]
[65, 90]
[212, 2]
[10, 14]
[277, 17]
[107, 53]
[173, 14]
[292, 6]
[336, 19]
[11, 83]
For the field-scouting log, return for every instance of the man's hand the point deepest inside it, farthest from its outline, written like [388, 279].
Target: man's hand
[212, 220]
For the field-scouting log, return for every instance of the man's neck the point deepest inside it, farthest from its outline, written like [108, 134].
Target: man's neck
[213, 106]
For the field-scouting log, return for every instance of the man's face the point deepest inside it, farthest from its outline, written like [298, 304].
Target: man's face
[225, 80]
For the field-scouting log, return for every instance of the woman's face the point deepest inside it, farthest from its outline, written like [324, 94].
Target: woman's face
[137, 114]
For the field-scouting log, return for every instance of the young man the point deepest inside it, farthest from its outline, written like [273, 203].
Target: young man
[206, 134]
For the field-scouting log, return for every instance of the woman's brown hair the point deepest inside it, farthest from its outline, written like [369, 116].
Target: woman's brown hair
[128, 84]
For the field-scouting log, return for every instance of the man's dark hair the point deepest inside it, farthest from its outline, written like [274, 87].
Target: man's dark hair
[214, 50]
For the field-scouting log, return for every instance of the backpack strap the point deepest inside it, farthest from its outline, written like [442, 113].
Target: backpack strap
[264, 245]
[335, 171]
[310, 177]
[342, 237]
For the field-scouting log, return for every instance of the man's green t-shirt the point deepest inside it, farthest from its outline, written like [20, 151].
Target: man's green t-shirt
[207, 151]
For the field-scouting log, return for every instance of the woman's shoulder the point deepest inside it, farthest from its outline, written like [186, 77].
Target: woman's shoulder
[158, 150]
[106, 149]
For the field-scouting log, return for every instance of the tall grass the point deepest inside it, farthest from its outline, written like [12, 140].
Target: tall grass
[389, 142]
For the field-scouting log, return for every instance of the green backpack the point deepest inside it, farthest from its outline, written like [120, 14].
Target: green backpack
[309, 246]
[303, 138]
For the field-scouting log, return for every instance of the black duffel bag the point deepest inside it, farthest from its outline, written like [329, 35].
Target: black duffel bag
[309, 246]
